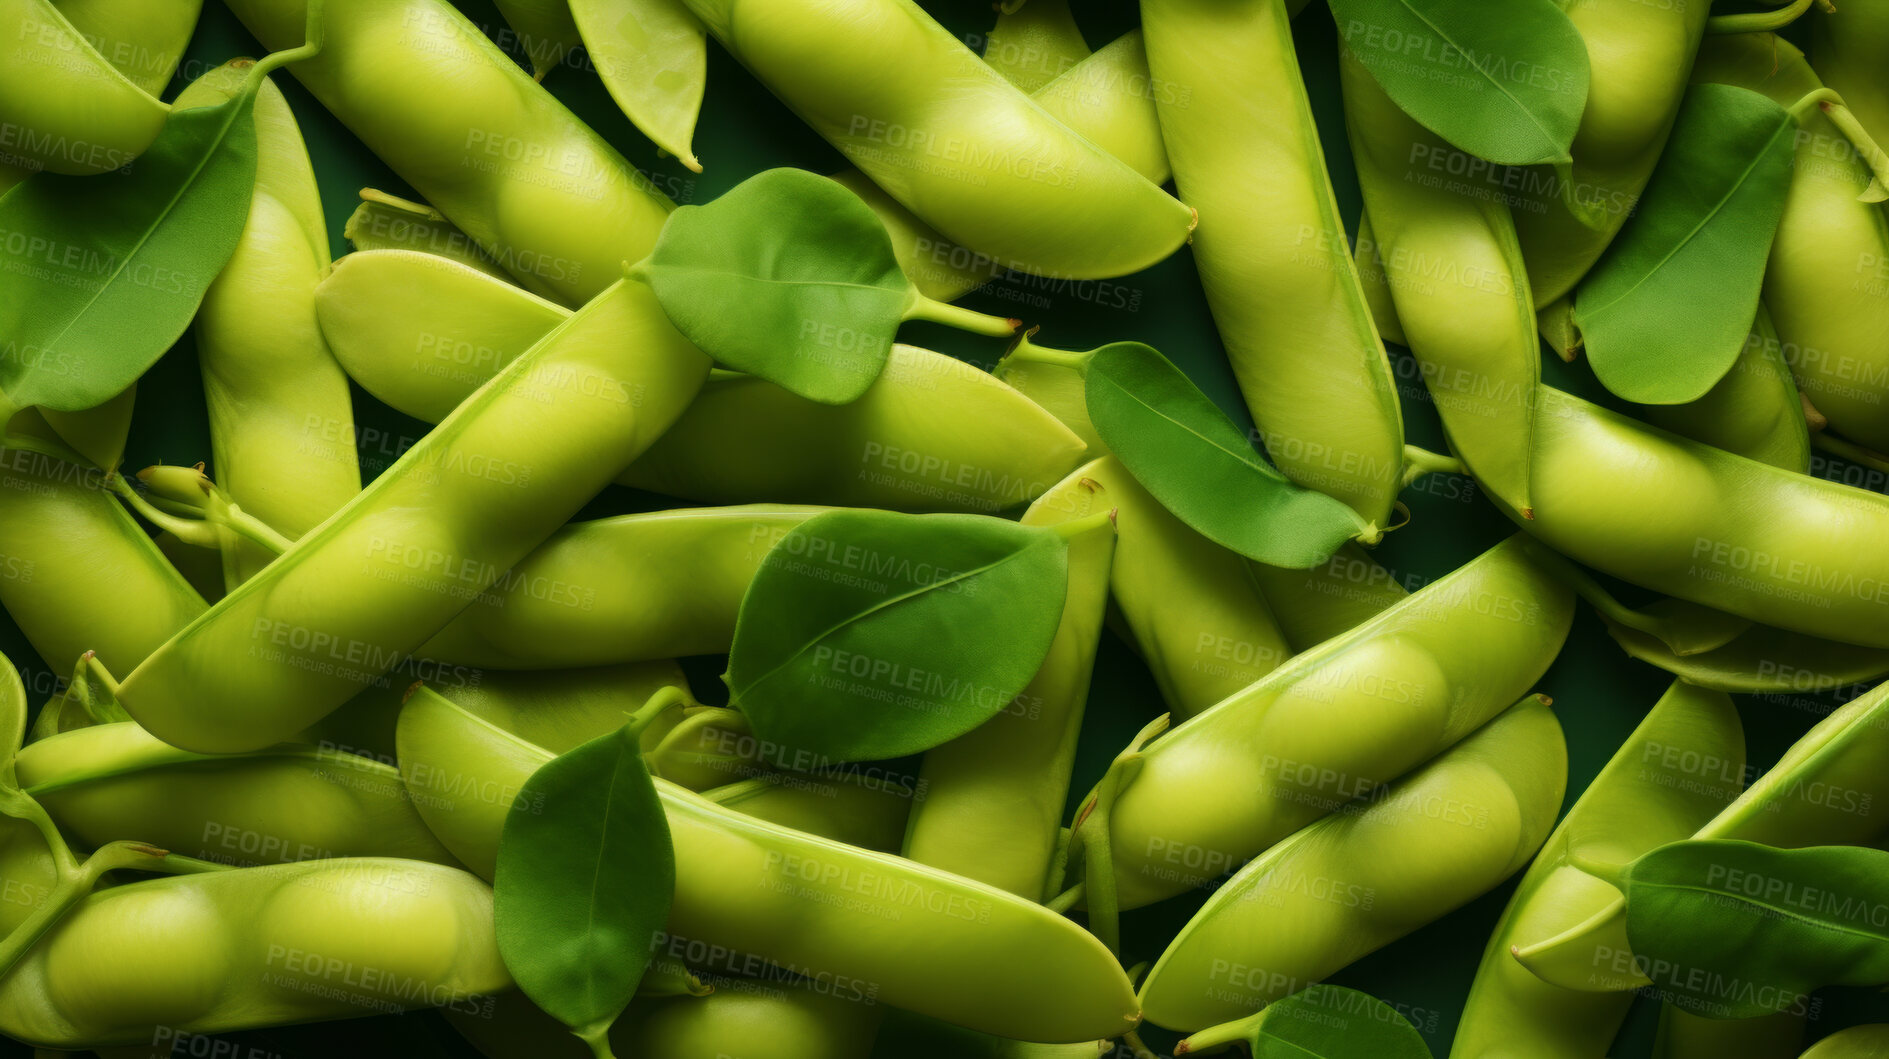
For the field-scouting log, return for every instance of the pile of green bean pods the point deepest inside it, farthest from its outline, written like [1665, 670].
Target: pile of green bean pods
[887, 529]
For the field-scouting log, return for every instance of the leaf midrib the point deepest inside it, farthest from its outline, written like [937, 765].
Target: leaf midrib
[1546, 135]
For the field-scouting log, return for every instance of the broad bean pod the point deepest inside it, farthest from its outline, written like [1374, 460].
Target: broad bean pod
[253, 947]
[391, 568]
[843, 806]
[1271, 249]
[1314, 605]
[144, 41]
[994, 796]
[552, 202]
[993, 962]
[932, 433]
[1649, 793]
[65, 107]
[1760, 660]
[389, 222]
[281, 418]
[950, 139]
[1362, 878]
[1334, 722]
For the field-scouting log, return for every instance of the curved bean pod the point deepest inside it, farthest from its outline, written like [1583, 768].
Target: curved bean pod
[552, 202]
[993, 962]
[1272, 252]
[1754, 411]
[1339, 595]
[1760, 660]
[1362, 878]
[144, 41]
[389, 222]
[932, 433]
[1334, 722]
[949, 138]
[843, 806]
[65, 107]
[1857, 1042]
[473, 497]
[255, 947]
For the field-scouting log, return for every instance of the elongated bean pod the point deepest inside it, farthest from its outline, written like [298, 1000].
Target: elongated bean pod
[254, 947]
[993, 962]
[1754, 410]
[1271, 248]
[843, 806]
[389, 222]
[1334, 722]
[1312, 606]
[1846, 47]
[553, 203]
[65, 108]
[144, 41]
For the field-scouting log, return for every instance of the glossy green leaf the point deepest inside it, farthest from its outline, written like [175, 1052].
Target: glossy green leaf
[653, 57]
[1508, 86]
[1736, 929]
[584, 880]
[1333, 1022]
[1666, 311]
[1185, 451]
[789, 277]
[869, 635]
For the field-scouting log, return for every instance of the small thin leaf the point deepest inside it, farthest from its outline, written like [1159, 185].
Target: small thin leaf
[584, 880]
[869, 635]
[1508, 86]
[1736, 929]
[788, 276]
[653, 57]
[1666, 311]
[1333, 1022]
[1185, 451]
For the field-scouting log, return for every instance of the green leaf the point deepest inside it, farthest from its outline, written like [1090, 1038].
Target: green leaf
[1736, 929]
[1666, 311]
[869, 635]
[1505, 83]
[1185, 451]
[1333, 1022]
[584, 880]
[653, 57]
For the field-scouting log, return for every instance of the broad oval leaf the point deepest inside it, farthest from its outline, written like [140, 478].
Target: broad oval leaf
[788, 276]
[1185, 451]
[1507, 85]
[1666, 311]
[868, 635]
[584, 880]
[1333, 1022]
[653, 57]
[101, 274]
[1735, 930]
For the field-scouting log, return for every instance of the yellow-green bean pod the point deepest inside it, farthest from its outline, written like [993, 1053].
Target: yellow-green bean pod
[255, 947]
[144, 40]
[1680, 766]
[1754, 410]
[389, 222]
[843, 806]
[949, 138]
[470, 499]
[931, 434]
[1846, 47]
[1334, 722]
[1364, 877]
[1340, 594]
[992, 961]
[1857, 1042]
[1271, 248]
[65, 108]
[562, 709]
[450, 112]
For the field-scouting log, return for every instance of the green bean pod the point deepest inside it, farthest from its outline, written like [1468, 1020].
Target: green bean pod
[1760, 660]
[390, 569]
[1846, 47]
[288, 803]
[949, 138]
[904, 1035]
[545, 195]
[1338, 595]
[563, 709]
[1857, 1042]
[932, 433]
[1827, 279]
[144, 41]
[1335, 722]
[1271, 249]
[1033, 44]
[994, 796]
[281, 418]
[843, 806]
[993, 962]
[1679, 767]
[389, 222]
[1362, 878]
[255, 947]
[65, 108]
[1754, 410]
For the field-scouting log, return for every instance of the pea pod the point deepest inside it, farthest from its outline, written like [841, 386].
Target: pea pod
[932, 433]
[1664, 782]
[254, 947]
[1271, 250]
[992, 170]
[844, 806]
[1846, 47]
[1332, 723]
[406, 554]
[1339, 595]
[389, 222]
[552, 202]
[994, 962]
[1754, 411]
[64, 107]
[1359, 879]
[144, 41]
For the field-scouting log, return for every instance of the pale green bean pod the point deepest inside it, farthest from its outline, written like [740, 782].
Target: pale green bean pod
[992, 961]
[931, 434]
[389, 222]
[1365, 876]
[1333, 723]
[145, 41]
[65, 108]
[950, 139]
[253, 947]
[552, 202]
[1754, 410]
[843, 806]
[1033, 44]
[1271, 249]
[1336, 596]
[1857, 1042]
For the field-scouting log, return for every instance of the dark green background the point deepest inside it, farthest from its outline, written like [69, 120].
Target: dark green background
[1599, 693]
